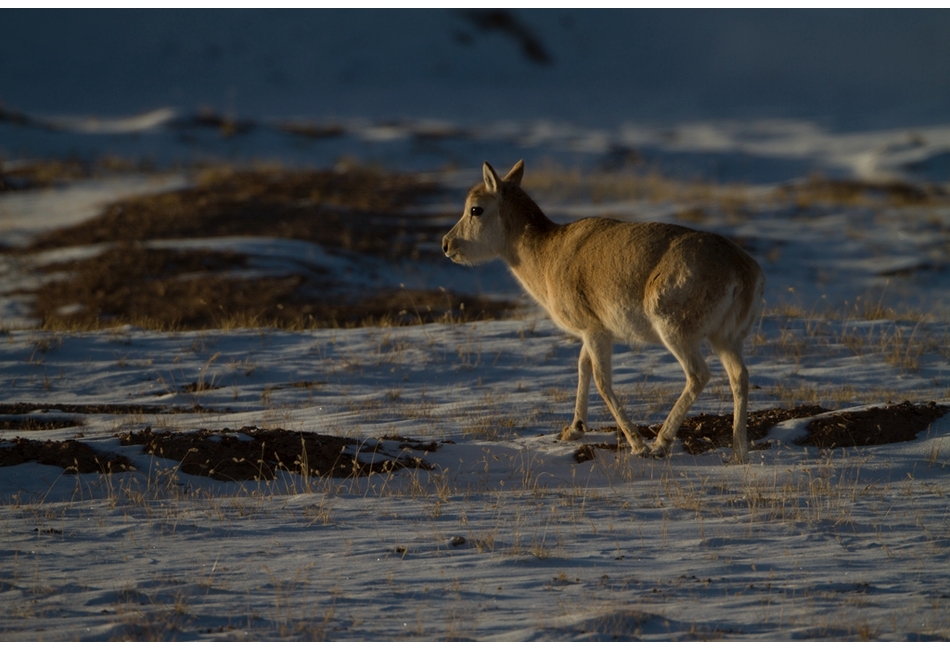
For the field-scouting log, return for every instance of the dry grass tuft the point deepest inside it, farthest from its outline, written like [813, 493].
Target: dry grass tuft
[560, 185]
[821, 190]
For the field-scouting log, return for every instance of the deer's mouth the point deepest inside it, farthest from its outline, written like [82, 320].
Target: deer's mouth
[458, 257]
[451, 249]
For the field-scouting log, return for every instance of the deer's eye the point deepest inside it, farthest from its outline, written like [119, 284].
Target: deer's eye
[476, 211]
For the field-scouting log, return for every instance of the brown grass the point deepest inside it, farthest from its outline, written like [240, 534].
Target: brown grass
[353, 212]
[821, 190]
[185, 290]
[359, 211]
[554, 184]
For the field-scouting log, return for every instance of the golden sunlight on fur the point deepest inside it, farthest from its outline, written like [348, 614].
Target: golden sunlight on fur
[605, 280]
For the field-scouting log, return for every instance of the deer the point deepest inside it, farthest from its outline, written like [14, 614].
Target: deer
[603, 280]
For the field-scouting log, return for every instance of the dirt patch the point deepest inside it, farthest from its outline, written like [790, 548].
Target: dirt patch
[135, 285]
[258, 454]
[227, 455]
[704, 432]
[351, 213]
[358, 210]
[875, 426]
[186, 290]
[37, 424]
[23, 408]
[72, 455]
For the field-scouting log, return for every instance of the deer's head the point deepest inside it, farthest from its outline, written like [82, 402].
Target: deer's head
[481, 234]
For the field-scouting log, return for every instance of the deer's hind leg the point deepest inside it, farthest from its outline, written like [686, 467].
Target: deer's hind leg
[690, 356]
[731, 359]
[578, 426]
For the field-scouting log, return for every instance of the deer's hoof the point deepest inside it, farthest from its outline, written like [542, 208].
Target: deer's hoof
[573, 432]
[656, 451]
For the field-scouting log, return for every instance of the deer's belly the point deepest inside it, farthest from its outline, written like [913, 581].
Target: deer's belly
[624, 324]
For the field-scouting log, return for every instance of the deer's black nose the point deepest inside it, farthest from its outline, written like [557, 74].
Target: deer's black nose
[445, 245]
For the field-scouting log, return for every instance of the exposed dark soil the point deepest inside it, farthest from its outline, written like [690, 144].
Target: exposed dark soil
[228, 455]
[22, 408]
[176, 289]
[37, 424]
[356, 212]
[705, 432]
[72, 455]
[876, 426]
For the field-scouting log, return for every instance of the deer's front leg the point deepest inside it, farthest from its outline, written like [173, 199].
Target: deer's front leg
[599, 346]
[578, 427]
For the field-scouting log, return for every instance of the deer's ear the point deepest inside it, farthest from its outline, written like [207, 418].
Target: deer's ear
[516, 173]
[492, 182]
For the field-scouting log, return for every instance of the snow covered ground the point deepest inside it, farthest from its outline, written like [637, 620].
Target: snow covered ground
[507, 536]
[500, 533]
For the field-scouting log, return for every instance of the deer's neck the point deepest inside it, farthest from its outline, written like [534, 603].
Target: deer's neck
[529, 237]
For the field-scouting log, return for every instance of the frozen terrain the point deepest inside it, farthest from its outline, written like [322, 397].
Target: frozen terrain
[503, 533]
[507, 536]
[462, 517]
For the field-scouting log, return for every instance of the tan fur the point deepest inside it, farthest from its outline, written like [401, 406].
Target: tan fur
[604, 280]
